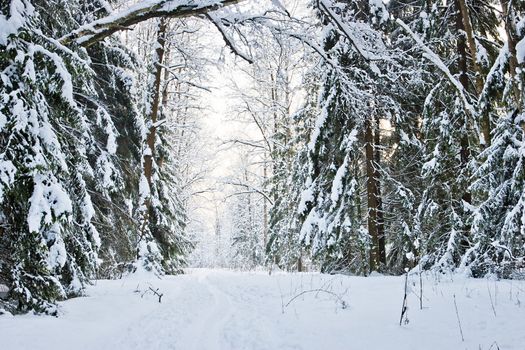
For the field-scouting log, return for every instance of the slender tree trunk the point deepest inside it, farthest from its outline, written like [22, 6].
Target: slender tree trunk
[375, 225]
[265, 204]
[218, 263]
[251, 223]
[300, 267]
[463, 79]
[377, 176]
[276, 125]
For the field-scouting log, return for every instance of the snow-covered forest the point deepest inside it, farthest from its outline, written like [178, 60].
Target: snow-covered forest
[262, 174]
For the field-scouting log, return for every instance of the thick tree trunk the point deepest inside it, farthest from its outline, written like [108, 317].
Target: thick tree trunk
[149, 153]
[512, 41]
[467, 28]
[463, 12]
[463, 79]
[375, 225]
[165, 92]
[155, 102]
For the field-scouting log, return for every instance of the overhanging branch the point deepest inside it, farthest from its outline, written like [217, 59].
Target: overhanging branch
[93, 32]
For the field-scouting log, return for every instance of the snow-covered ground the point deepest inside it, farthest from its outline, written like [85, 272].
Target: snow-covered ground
[216, 309]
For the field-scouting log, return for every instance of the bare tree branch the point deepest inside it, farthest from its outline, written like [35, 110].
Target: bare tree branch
[259, 126]
[251, 188]
[245, 143]
[179, 79]
[227, 39]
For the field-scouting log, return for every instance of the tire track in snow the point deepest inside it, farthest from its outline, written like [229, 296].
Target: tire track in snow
[209, 333]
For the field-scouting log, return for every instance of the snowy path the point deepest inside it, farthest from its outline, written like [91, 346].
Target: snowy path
[212, 325]
[222, 310]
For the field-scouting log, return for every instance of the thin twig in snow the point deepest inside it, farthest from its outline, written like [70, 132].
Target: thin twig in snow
[491, 302]
[459, 321]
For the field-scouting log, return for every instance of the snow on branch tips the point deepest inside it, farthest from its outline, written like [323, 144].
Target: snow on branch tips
[434, 59]
[348, 33]
[93, 32]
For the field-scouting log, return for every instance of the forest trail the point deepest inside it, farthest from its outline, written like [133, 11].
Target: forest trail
[225, 310]
[209, 331]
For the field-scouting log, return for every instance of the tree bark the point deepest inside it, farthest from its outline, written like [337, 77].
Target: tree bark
[155, 102]
[375, 225]
[377, 176]
[467, 28]
[463, 79]
[512, 41]
[300, 267]
[165, 91]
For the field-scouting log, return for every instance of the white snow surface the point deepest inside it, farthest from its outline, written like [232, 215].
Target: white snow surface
[18, 14]
[520, 51]
[219, 309]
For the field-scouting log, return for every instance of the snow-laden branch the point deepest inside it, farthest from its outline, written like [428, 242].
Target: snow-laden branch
[369, 56]
[227, 39]
[95, 31]
[496, 72]
[434, 59]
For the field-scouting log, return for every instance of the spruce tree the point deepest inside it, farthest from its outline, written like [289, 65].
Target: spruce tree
[46, 208]
[499, 220]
